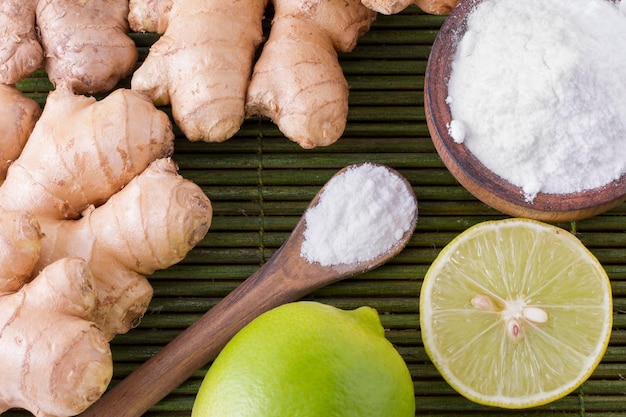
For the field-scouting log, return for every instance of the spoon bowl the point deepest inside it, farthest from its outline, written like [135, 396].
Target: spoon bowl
[285, 277]
[485, 185]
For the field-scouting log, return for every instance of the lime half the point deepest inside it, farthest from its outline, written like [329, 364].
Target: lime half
[515, 313]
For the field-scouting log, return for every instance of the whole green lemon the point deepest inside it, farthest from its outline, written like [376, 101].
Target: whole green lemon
[308, 359]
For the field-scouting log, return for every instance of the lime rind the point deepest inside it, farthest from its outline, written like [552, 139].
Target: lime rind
[471, 345]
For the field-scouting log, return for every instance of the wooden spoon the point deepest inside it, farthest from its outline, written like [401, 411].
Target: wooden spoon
[285, 277]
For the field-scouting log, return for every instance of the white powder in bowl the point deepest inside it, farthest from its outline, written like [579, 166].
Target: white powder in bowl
[361, 214]
[537, 92]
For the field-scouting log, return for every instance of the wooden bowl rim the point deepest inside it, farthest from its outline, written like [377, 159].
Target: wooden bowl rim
[469, 171]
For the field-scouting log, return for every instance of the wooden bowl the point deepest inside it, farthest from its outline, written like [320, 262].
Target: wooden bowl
[470, 172]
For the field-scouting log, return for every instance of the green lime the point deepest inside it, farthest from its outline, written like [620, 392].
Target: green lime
[308, 359]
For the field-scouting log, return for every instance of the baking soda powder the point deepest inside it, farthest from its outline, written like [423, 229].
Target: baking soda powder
[537, 92]
[361, 214]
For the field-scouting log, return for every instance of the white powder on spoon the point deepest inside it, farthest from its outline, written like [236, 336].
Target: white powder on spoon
[361, 214]
[538, 92]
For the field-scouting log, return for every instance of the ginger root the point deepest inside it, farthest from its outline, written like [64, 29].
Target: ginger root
[100, 56]
[437, 7]
[91, 206]
[55, 361]
[158, 218]
[297, 81]
[20, 244]
[20, 51]
[17, 121]
[202, 63]
[109, 143]
[96, 150]
[149, 15]
[45, 31]
[20, 234]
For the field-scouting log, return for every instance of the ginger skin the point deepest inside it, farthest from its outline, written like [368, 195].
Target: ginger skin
[202, 63]
[20, 234]
[388, 7]
[17, 121]
[96, 60]
[48, 342]
[149, 15]
[297, 81]
[20, 51]
[20, 244]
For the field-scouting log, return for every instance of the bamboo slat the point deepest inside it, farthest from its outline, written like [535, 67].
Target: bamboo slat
[260, 183]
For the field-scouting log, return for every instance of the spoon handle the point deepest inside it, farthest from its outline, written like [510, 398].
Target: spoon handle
[197, 345]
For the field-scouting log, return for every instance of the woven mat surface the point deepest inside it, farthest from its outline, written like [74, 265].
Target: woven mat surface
[260, 183]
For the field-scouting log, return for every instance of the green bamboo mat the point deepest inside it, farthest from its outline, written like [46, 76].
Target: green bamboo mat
[260, 183]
